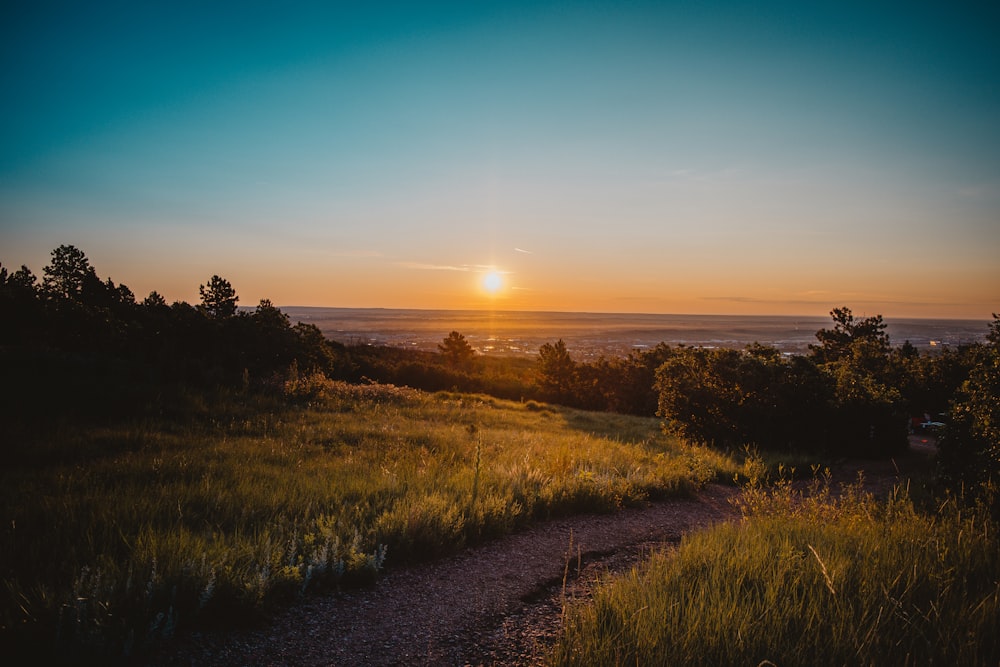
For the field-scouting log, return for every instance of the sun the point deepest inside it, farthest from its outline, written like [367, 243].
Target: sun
[492, 282]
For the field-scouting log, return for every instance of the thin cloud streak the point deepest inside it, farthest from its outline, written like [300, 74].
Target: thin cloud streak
[465, 268]
[433, 267]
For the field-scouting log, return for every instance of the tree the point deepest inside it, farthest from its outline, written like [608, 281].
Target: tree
[68, 273]
[219, 298]
[835, 343]
[700, 396]
[22, 281]
[314, 351]
[21, 311]
[970, 448]
[120, 294]
[869, 411]
[993, 336]
[636, 393]
[869, 408]
[730, 398]
[456, 350]
[19, 288]
[556, 371]
[154, 300]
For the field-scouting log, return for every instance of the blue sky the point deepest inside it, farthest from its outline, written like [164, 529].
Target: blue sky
[650, 157]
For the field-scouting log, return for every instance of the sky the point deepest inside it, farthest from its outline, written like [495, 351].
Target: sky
[697, 157]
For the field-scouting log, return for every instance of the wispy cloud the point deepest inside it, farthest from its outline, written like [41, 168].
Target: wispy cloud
[424, 266]
[419, 266]
[522, 250]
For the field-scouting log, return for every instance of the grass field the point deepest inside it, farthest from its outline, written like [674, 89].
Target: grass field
[806, 581]
[211, 511]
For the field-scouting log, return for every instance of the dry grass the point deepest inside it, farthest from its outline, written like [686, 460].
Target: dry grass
[113, 537]
[806, 580]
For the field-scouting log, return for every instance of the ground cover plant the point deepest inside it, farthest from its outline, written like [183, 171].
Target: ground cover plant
[115, 535]
[806, 580]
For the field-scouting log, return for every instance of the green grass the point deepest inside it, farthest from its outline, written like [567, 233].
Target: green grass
[818, 581]
[112, 537]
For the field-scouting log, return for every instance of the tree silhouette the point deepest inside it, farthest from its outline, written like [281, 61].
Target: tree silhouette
[969, 451]
[154, 300]
[993, 336]
[836, 343]
[22, 280]
[219, 298]
[68, 273]
[456, 350]
[556, 370]
[20, 308]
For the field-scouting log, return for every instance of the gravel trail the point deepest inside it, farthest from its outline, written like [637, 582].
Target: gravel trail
[496, 603]
[499, 603]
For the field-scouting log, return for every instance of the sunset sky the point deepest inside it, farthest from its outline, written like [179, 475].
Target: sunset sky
[710, 157]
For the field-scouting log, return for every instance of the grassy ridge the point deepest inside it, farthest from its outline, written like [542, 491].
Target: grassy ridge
[819, 582]
[113, 536]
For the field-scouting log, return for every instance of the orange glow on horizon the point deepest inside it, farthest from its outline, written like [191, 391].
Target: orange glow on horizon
[545, 282]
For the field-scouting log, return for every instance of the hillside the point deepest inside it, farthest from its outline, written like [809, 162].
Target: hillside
[226, 508]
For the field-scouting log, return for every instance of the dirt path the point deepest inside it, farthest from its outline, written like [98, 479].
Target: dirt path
[495, 604]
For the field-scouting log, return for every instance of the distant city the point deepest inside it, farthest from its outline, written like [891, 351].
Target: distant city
[590, 335]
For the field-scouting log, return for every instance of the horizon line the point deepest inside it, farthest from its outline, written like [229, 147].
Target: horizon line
[621, 313]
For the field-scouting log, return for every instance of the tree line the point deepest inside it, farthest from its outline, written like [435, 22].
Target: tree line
[852, 394]
[74, 342]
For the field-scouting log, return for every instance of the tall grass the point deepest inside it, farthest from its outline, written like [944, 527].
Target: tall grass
[112, 537]
[817, 581]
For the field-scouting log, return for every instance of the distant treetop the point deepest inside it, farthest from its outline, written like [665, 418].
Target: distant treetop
[218, 298]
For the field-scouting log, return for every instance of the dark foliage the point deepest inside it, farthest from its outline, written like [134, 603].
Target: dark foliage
[733, 398]
[557, 372]
[836, 343]
[970, 447]
[457, 351]
[852, 396]
[78, 346]
[218, 298]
